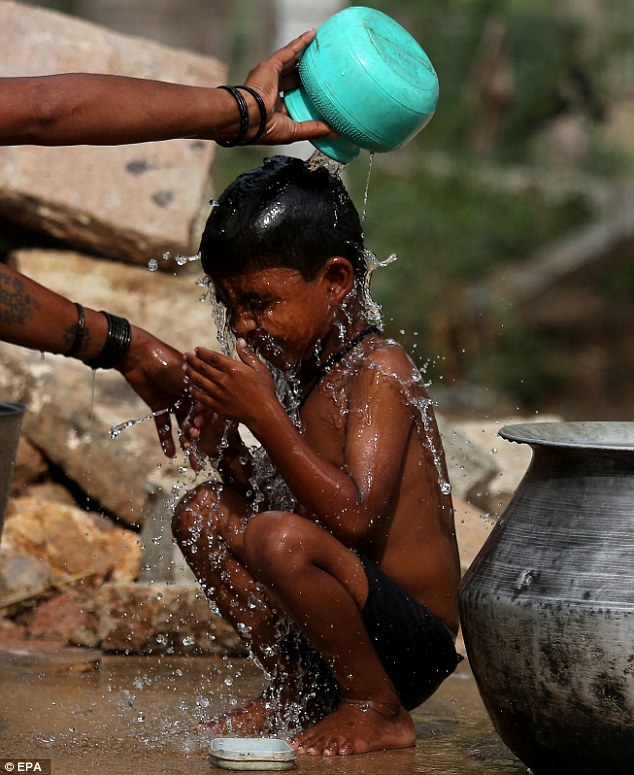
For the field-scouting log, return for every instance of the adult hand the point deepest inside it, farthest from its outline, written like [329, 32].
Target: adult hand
[277, 74]
[154, 370]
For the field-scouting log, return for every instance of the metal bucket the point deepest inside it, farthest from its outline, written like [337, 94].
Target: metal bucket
[10, 424]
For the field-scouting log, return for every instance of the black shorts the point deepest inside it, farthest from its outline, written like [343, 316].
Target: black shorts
[415, 648]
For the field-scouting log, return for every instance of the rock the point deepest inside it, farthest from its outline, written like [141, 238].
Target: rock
[71, 541]
[129, 202]
[128, 474]
[30, 466]
[47, 491]
[11, 633]
[21, 574]
[162, 619]
[64, 618]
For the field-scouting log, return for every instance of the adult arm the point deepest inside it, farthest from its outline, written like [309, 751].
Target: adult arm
[84, 109]
[32, 316]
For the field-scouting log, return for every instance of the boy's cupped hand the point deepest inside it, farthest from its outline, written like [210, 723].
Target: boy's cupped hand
[235, 390]
[203, 433]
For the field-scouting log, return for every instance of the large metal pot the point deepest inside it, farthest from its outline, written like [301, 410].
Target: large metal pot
[10, 424]
[547, 607]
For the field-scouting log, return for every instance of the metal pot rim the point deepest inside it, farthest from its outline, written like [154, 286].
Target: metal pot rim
[574, 435]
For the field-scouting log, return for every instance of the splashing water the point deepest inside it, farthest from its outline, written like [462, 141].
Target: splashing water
[153, 264]
[219, 314]
[372, 309]
[319, 160]
[116, 430]
[367, 188]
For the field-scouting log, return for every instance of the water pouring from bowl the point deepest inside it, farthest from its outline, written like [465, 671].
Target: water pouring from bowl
[367, 77]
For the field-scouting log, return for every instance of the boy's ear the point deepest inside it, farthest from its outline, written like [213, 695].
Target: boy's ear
[339, 276]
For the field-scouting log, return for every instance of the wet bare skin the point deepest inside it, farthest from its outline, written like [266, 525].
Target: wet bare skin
[355, 728]
[365, 480]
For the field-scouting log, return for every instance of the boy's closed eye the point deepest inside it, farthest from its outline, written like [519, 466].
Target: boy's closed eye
[257, 304]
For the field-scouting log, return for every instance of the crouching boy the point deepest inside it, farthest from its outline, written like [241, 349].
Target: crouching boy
[331, 549]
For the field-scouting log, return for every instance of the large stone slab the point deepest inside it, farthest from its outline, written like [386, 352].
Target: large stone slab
[70, 412]
[70, 541]
[129, 202]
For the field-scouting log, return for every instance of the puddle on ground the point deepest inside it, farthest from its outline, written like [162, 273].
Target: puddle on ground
[117, 715]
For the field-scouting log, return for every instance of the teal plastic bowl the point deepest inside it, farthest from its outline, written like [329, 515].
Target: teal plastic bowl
[367, 77]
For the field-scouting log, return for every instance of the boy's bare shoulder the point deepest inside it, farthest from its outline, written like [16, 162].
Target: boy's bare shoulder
[389, 358]
[384, 362]
[378, 364]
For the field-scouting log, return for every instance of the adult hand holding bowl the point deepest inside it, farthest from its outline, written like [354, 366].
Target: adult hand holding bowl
[368, 78]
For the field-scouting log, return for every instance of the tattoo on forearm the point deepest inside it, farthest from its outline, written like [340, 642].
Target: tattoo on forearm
[16, 303]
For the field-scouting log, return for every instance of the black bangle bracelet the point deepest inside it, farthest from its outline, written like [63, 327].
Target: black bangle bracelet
[80, 333]
[263, 114]
[117, 343]
[244, 118]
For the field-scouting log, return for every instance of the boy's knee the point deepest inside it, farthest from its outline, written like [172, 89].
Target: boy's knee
[272, 537]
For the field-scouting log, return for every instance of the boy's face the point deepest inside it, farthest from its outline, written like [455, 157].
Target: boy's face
[281, 315]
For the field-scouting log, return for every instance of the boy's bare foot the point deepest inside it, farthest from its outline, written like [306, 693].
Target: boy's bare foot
[358, 726]
[262, 715]
[251, 719]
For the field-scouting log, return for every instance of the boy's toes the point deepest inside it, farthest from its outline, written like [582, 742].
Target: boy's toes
[346, 747]
[338, 746]
[331, 748]
[314, 746]
[325, 746]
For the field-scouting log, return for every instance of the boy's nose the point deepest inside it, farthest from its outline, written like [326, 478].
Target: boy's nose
[242, 324]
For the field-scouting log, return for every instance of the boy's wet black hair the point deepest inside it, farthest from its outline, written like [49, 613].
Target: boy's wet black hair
[282, 214]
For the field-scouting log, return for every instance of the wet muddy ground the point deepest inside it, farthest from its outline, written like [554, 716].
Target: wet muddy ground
[90, 713]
